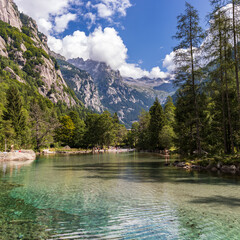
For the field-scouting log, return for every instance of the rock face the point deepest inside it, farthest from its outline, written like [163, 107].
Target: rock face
[14, 75]
[82, 84]
[116, 95]
[10, 14]
[31, 53]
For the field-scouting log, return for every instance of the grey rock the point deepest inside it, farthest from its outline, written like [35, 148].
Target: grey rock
[10, 14]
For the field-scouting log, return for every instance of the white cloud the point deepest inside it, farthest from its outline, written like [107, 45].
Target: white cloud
[92, 17]
[107, 8]
[169, 63]
[44, 25]
[104, 11]
[104, 45]
[62, 22]
[43, 10]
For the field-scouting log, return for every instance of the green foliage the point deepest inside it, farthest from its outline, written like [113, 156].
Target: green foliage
[154, 130]
[79, 130]
[169, 111]
[167, 137]
[190, 35]
[144, 134]
[132, 135]
[157, 122]
[65, 132]
[14, 114]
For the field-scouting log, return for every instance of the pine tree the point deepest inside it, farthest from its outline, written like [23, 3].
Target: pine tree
[14, 113]
[157, 122]
[190, 35]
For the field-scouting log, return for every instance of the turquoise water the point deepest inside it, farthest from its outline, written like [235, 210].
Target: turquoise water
[124, 196]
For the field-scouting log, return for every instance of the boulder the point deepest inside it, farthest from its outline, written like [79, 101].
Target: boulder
[24, 155]
[228, 169]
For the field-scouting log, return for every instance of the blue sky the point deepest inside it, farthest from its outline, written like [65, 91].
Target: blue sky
[150, 25]
[133, 36]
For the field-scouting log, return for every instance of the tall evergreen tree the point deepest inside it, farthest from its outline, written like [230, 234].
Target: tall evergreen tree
[14, 113]
[190, 35]
[157, 122]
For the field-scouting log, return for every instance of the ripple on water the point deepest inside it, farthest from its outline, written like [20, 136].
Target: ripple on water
[127, 196]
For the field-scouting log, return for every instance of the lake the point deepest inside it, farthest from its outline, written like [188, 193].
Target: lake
[116, 196]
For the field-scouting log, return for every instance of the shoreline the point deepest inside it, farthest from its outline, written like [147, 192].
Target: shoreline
[211, 167]
[18, 156]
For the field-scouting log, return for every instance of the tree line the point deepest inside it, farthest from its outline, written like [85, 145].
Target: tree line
[39, 124]
[207, 74]
[155, 129]
[206, 115]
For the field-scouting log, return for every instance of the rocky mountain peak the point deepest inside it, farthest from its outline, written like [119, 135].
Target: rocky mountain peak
[9, 13]
[100, 71]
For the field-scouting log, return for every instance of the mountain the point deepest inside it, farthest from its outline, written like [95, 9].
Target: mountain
[167, 87]
[82, 84]
[116, 94]
[25, 54]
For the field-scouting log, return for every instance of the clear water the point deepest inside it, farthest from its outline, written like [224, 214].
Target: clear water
[124, 196]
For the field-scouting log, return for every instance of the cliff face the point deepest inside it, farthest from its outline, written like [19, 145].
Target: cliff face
[115, 94]
[10, 14]
[82, 83]
[27, 47]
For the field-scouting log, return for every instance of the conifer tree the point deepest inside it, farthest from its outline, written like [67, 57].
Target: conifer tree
[14, 113]
[157, 122]
[190, 35]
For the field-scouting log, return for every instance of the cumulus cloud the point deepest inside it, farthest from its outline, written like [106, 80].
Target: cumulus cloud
[168, 62]
[104, 11]
[104, 45]
[107, 8]
[62, 22]
[43, 10]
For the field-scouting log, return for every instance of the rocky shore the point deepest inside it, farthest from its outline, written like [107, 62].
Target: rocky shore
[213, 167]
[23, 155]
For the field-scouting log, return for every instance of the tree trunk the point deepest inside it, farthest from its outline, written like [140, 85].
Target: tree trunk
[227, 98]
[198, 140]
[222, 92]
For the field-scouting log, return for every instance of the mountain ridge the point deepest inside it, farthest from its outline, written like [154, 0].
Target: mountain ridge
[117, 94]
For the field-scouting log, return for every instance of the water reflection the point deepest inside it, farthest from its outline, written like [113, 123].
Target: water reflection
[126, 196]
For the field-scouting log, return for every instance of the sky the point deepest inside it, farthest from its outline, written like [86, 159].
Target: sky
[132, 36]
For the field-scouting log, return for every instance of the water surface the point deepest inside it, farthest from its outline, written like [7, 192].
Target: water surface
[122, 196]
